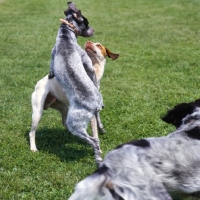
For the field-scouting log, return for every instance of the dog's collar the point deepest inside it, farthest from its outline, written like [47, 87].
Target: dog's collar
[73, 28]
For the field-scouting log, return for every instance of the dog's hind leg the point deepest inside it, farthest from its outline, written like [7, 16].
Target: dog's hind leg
[99, 124]
[62, 108]
[77, 121]
[94, 142]
[37, 99]
[96, 125]
[93, 123]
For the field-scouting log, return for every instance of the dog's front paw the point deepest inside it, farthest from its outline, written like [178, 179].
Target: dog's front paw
[51, 75]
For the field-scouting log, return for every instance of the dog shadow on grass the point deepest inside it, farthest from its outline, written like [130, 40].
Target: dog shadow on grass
[61, 143]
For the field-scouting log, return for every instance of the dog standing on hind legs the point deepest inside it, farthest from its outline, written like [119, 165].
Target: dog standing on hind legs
[73, 70]
[49, 92]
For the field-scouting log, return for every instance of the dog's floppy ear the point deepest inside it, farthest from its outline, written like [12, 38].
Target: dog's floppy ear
[114, 56]
[78, 15]
[177, 114]
[197, 103]
[72, 6]
[75, 12]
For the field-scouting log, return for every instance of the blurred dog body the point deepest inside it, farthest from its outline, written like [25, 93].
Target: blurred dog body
[149, 168]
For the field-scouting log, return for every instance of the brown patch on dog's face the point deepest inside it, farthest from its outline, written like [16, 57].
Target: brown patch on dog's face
[102, 49]
[98, 50]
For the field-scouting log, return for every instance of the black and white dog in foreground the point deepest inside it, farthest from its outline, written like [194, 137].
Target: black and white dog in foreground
[74, 71]
[151, 168]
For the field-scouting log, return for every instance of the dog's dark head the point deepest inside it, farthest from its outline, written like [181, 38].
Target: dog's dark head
[74, 16]
[182, 113]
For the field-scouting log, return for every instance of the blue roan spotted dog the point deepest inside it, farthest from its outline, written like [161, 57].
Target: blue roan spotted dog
[74, 71]
[148, 169]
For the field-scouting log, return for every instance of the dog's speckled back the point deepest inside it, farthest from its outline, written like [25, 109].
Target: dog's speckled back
[73, 68]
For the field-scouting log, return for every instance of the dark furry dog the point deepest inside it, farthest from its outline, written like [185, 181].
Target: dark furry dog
[148, 169]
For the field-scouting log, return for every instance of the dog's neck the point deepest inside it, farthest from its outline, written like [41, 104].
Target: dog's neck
[98, 63]
[99, 68]
[71, 26]
[66, 33]
[98, 60]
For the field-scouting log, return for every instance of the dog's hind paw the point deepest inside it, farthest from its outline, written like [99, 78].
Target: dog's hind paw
[34, 150]
[98, 161]
[102, 130]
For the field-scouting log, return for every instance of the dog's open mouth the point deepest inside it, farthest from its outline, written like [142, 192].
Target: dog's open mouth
[89, 49]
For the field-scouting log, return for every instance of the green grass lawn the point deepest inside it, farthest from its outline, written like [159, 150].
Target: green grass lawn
[159, 46]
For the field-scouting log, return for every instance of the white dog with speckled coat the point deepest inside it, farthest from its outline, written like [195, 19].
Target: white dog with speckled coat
[49, 93]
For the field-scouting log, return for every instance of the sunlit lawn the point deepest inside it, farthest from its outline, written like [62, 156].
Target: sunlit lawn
[158, 67]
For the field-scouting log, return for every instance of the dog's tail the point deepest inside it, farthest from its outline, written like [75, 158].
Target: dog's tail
[91, 187]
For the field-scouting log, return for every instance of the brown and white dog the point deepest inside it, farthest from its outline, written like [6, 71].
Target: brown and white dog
[49, 93]
[98, 53]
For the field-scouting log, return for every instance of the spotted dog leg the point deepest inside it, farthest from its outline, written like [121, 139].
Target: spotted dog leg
[77, 121]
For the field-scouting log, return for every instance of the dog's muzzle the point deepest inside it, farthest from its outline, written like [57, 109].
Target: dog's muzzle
[89, 32]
